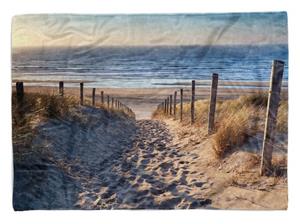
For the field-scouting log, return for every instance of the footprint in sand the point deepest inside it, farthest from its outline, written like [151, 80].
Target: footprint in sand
[146, 176]
[142, 193]
[199, 203]
[126, 167]
[140, 180]
[160, 148]
[183, 180]
[172, 186]
[131, 178]
[145, 161]
[156, 191]
[134, 158]
[165, 165]
[198, 184]
[185, 172]
[107, 194]
[173, 172]
[154, 174]
[170, 203]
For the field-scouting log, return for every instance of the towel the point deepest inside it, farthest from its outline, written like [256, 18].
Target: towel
[150, 111]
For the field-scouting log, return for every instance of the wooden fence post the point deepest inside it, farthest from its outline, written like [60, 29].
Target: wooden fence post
[81, 93]
[107, 101]
[93, 96]
[167, 105]
[171, 104]
[112, 102]
[165, 108]
[61, 88]
[271, 117]
[175, 102]
[20, 91]
[102, 97]
[181, 103]
[212, 104]
[193, 103]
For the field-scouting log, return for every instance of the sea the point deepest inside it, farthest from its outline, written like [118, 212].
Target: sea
[145, 67]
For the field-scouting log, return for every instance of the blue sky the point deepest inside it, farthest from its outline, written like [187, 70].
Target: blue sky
[145, 30]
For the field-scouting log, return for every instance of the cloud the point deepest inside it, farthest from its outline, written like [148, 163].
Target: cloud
[191, 29]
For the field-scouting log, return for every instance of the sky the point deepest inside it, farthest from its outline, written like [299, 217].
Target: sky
[58, 30]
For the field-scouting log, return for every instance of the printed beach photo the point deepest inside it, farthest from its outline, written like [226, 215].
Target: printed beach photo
[150, 111]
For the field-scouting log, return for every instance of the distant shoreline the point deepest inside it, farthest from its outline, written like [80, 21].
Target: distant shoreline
[24, 48]
[143, 101]
[199, 83]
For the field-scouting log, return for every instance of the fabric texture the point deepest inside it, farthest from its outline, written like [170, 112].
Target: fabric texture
[164, 111]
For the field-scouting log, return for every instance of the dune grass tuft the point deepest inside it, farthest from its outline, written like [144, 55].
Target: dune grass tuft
[282, 117]
[256, 99]
[233, 129]
[31, 111]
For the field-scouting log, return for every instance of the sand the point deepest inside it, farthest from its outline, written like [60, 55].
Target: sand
[232, 182]
[100, 161]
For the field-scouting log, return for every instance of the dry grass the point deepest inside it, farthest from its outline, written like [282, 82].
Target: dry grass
[29, 113]
[282, 117]
[113, 110]
[236, 120]
[233, 130]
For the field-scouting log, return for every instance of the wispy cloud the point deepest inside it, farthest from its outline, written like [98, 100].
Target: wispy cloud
[190, 29]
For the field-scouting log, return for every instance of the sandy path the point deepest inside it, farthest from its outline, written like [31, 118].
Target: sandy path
[150, 175]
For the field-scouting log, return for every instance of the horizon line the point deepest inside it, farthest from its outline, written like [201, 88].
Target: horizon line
[149, 45]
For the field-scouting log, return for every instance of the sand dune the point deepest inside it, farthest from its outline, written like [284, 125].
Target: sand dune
[78, 148]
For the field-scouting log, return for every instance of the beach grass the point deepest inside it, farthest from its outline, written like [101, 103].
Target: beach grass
[36, 108]
[236, 120]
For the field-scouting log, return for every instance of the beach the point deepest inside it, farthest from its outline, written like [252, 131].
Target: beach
[161, 111]
[102, 159]
[95, 158]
